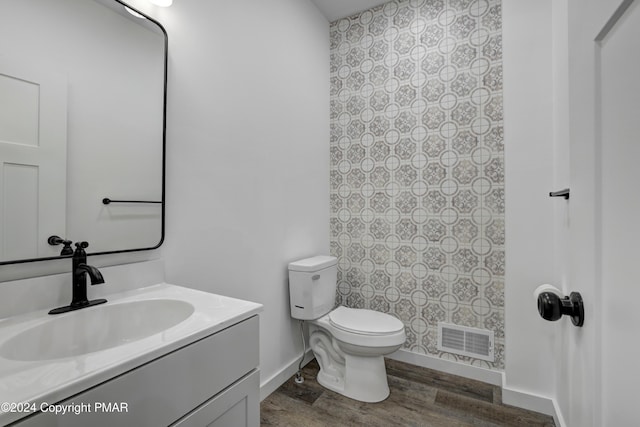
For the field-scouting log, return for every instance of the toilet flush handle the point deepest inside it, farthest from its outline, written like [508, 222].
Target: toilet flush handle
[315, 277]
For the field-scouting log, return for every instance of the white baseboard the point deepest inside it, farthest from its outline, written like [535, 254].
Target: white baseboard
[528, 401]
[271, 384]
[448, 366]
[557, 415]
[532, 402]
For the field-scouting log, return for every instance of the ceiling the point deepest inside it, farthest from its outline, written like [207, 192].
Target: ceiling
[336, 9]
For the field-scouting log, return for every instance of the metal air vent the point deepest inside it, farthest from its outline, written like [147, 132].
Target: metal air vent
[466, 341]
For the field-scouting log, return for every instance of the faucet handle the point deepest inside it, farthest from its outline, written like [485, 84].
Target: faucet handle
[79, 252]
[57, 240]
[82, 245]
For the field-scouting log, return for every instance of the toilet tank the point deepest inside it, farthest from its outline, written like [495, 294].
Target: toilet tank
[312, 286]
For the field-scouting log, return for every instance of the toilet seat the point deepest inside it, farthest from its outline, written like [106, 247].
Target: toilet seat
[364, 322]
[386, 333]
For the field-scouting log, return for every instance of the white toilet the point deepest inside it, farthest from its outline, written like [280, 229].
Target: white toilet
[349, 343]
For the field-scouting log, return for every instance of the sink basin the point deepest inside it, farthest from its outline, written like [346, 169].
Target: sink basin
[94, 329]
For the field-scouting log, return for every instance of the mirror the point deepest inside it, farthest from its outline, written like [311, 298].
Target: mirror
[82, 119]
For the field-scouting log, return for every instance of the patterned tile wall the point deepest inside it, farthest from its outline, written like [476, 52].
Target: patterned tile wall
[417, 166]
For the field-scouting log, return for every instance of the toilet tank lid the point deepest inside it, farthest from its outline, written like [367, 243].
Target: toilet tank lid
[313, 264]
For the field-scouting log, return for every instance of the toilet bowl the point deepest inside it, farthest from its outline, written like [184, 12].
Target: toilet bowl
[349, 343]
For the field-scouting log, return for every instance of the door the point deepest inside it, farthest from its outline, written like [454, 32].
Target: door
[618, 87]
[601, 366]
[33, 158]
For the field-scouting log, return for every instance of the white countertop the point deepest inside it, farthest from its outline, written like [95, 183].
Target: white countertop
[51, 381]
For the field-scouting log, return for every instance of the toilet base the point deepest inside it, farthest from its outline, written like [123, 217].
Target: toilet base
[365, 379]
[361, 376]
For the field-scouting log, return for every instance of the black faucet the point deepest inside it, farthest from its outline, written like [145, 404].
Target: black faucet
[79, 272]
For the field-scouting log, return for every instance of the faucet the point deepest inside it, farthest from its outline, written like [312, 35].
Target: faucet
[79, 272]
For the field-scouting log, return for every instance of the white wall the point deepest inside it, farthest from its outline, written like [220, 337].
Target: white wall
[531, 343]
[248, 154]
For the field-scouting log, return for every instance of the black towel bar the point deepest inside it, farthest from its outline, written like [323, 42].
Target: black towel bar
[107, 201]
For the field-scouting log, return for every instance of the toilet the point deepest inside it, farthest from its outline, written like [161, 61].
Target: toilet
[348, 343]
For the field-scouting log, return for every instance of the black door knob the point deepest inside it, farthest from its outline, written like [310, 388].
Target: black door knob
[552, 307]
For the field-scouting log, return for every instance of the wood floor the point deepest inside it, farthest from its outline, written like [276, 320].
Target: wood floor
[419, 397]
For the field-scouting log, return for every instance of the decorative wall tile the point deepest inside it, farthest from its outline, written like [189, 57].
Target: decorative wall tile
[417, 166]
[464, 316]
[433, 313]
[464, 289]
[405, 310]
[434, 286]
[465, 231]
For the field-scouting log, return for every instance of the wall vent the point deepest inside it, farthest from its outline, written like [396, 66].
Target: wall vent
[472, 342]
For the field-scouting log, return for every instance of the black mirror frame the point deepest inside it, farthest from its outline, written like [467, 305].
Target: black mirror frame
[164, 161]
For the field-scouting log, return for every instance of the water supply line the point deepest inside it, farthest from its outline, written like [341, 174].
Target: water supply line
[299, 378]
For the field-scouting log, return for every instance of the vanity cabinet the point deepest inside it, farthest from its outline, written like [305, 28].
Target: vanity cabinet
[211, 382]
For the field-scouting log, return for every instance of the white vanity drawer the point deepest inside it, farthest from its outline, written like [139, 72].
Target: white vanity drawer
[166, 389]
[237, 406]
